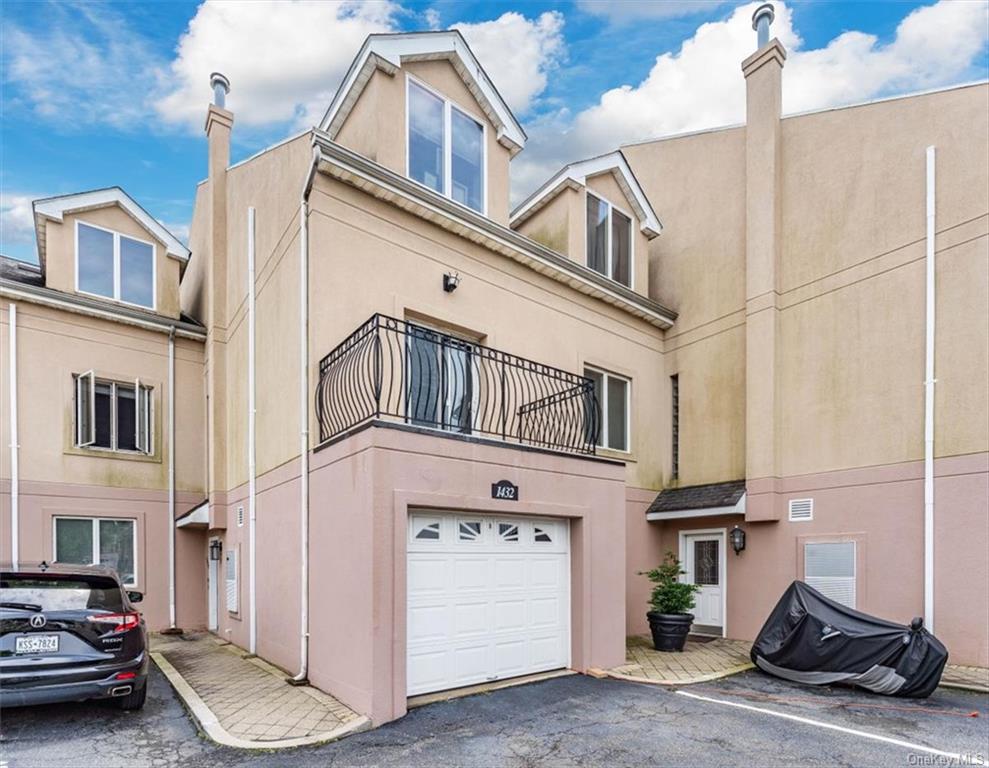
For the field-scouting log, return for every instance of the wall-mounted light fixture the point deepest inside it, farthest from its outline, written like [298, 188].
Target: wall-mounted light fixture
[450, 281]
[215, 548]
[737, 537]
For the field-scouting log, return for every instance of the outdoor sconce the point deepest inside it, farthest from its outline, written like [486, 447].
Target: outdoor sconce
[737, 536]
[450, 281]
[215, 548]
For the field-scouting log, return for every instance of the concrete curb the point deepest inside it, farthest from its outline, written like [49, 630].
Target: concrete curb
[211, 726]
[697, 679]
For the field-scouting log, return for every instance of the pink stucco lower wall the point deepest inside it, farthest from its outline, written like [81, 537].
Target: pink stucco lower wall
[40, 502]
[882, 510]
[362, 489]
[644, 551]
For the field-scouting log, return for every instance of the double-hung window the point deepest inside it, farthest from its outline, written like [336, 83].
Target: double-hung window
[613, 397]
[113, 415]
[115, 266]
[609, 240]
[98, 540]
[445, 148]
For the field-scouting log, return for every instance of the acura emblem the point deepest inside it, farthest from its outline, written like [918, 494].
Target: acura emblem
[38, 620]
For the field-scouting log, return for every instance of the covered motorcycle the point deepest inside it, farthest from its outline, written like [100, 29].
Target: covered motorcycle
[811, 639]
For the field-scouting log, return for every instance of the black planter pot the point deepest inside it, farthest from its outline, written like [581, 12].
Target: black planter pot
[669, 630]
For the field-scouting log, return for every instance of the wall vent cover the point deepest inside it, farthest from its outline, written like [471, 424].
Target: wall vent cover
[240, 516]
[801, 509]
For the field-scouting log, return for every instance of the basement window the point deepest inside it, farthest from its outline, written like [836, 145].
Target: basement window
[104, 541]
[113, 415]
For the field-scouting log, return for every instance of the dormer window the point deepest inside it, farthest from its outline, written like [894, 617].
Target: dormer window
[445, 147]
[609, 240]
[115, 266]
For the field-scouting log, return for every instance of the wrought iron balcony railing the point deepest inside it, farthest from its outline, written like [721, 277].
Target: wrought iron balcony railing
[398, 371]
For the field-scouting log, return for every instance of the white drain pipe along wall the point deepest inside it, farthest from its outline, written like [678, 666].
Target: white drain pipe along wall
[251, 457]
[14, 447]
[929, 382]
[171, 478]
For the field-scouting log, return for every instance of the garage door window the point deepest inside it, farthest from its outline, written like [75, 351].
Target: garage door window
[829, 567]
[425, 529]
[470, 530]
[508, 532]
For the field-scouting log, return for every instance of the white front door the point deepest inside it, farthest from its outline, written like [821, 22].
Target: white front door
[703, 558]
[212, 585]
[488, 598]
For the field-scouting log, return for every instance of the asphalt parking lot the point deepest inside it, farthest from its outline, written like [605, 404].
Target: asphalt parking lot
[569, 721]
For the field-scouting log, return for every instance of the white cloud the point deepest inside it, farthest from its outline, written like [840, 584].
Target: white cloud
[432, 18]
[284, 59]
[701, 85]
[519, 54]
[627, 11]
[85, 66]
[17, 225]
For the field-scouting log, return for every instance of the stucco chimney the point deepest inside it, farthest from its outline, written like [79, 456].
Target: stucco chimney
[763, 72]
[219, 123]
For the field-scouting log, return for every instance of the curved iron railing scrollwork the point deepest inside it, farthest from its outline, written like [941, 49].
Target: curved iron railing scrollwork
[396, 370]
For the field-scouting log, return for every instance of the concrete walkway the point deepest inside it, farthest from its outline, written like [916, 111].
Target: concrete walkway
[242, 701]
[697, 663]
[967, 678]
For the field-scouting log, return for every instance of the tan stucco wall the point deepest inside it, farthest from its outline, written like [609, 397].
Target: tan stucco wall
[376, 125]
[558, 224]
[60, 254]
[355, 238]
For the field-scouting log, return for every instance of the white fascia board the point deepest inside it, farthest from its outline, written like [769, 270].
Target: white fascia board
[199, 516]
[679, 514]
[387, 51]
[55, 208]
[578, 173]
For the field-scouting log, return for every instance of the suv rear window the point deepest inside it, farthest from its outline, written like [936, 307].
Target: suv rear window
[60, 593]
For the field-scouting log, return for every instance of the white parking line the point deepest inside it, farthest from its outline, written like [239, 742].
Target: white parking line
[959, 758]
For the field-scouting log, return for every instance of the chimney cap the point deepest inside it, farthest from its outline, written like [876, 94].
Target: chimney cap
[766, 9]
[217, 78]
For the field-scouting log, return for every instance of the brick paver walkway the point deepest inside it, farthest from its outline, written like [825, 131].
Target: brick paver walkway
[972, 678]
[248, 696]
[695, 664]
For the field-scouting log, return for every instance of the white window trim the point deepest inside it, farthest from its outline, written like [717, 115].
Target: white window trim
[96, 539]
[631, 239]
[603, 403]
[138, 386]
[448, 106]
[116, 267]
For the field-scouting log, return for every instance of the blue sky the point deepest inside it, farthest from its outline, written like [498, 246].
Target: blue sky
[102, 94]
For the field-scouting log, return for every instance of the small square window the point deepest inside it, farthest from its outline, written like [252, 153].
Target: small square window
[508, 531]
[470, 530]
[541, 535]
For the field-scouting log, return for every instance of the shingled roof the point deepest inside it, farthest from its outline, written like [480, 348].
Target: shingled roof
[21, 271]
[697, 500]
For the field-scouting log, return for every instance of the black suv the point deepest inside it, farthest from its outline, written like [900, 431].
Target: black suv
[69, 633]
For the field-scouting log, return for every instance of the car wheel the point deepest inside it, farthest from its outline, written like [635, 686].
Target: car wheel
[133, 700]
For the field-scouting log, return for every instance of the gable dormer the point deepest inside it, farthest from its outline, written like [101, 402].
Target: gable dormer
[421, 105]
[104, 245]
[595, 213]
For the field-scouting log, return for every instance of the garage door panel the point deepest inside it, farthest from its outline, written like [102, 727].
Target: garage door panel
[487, 600]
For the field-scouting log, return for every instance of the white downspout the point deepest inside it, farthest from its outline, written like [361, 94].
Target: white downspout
[303, 675]
[251, 466]
[171, 477]
[929, 382]
[14, 446]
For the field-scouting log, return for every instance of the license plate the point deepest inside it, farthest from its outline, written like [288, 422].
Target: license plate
[36, 644]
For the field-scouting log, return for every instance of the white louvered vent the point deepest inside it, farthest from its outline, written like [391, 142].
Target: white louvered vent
[801, 509]
[829, 567]
[240, 517]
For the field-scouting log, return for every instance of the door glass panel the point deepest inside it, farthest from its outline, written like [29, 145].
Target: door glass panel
[594, 426]
[459, 385]
[424, 376]
[706, 563]
[74, 541]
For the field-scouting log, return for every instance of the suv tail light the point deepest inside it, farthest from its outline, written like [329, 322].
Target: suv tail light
[123, 621]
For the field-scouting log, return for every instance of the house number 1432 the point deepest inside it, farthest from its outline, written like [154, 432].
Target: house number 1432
[504, 490]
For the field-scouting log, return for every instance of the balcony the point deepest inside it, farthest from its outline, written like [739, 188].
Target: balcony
[396, 371]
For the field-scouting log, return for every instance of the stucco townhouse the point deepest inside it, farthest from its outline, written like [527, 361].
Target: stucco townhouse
[394, 437]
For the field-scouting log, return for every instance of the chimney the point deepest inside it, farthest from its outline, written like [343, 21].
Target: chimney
[763, 72]
[219, 122]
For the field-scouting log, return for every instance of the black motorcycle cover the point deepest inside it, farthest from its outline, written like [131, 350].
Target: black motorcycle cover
[811, 639]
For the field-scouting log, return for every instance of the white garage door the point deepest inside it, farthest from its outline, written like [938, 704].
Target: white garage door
[488, 598]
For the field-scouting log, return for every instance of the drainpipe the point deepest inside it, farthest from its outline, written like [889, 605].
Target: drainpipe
[929, 382]
[303, 675]
[14, 446]
[251, 414]
[171, 477]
